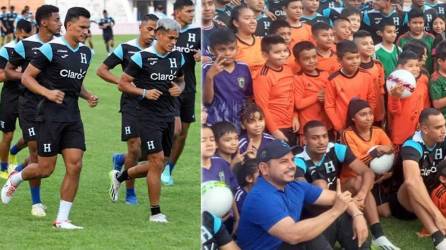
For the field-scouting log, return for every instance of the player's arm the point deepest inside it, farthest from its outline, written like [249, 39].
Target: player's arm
[104, 72]
[114, 59]
[30, 82]
[368, 177]
[16, 58]
[3, 61]
[330, 106]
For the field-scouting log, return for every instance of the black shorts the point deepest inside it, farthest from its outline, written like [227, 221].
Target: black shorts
[186, 107]
[57, 136]
[107, 36]
[8, 115]
[129, 126]
[398, 211]
[156, 136]
[29, 126]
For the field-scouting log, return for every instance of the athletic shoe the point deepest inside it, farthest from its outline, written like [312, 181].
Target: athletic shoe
[116, 164]
[441, 245]
[65, 225]
[384, 243]
[158, 218]
[131, 200]
[8, 190]
[4, 174]
[38, 210]
[114, 185]
[166, 177]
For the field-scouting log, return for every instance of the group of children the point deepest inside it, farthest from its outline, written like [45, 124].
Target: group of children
[269, 73]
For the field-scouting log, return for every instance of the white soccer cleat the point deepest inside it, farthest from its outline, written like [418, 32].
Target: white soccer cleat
[8, 189]
[114, 185]
[158, 218]
[66, 225]
[441, 245]
[384, 243]
[38, 210]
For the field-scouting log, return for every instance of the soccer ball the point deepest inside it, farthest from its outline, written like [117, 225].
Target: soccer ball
[403, 77]
[216, 198]
[382, 164]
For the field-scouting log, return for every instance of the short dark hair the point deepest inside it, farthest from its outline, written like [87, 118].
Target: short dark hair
[3, 8]
[270, 40]
[426, 113]
[362, 34]
[417, 47]
[104, 11]
[12, 7]
[384, 23]
[276, 25]
[179, 4]
[313, 124]
[45, 12]
[350, 12]
[287, 2]
[222, 128]
[407, 55]
[24, 25]
[245, 169]
[317, 26]
[248, 111]
[221, 36]
[440, 50]
[74, 13]
[149, 17]
[415, 13]
[301, 46]
[345, 47]
[340, 19]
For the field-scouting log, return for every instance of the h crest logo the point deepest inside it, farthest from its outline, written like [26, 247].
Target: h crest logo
[438, 154]
[2, 124]
[31, 132]
[329, 167]
[84, 58]
[150, 145]
[47, 148]
[173, 62]
[127, 130]
[396, 21]
[191, 38]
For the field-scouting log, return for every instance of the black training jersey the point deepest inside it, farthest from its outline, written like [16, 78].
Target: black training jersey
[107, 20]
[429, 15]
[223, 15]
[213, 232]
[11, 17]
[276, 7]
[315, 19]
[189, 42]
[4, 19]
[372, 18]
[329, 168]
[121, 55]
[6, 53]
[323, 4]
[427, 158]
[154, 71]
[64, 68]
[263, 24]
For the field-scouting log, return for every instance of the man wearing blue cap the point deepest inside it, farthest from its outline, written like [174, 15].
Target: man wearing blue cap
[271, 214]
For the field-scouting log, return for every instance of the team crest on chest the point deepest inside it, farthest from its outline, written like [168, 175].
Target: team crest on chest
[241, 82]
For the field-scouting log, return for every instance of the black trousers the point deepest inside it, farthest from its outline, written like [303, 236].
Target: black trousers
[340, 231]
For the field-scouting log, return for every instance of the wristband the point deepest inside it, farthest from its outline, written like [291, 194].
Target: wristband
[358, 214]
[144, 94]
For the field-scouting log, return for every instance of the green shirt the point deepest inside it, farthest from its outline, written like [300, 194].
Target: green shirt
[389, 59]
[427, 39]
[437, 88]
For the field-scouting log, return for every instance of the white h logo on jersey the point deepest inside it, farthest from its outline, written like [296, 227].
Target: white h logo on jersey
[47, 148]
[31, 132]
[150, 145]
[191, 37]
[173, 62]
[2, 124]
[127, 130]
[396, 21]
[329, 167]
[83, 58]
[438, 154]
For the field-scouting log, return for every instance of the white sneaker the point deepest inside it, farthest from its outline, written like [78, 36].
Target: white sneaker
[65, 225]
[114, 185]
[8, 189]
[159, 218]
[38, 210]
[384, 243]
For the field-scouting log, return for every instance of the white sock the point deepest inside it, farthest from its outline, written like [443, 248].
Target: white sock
[16, 179]
[64, 211]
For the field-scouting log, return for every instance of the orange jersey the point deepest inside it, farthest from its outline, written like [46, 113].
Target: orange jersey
[291, 62]
[361, 147]
[404, 113]
[341, 89]
[376, 69]
[306, 91]
[251, 54]
[274, 94]
[329, 64]
[303, 33]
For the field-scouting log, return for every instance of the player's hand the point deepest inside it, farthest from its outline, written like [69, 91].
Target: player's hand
[236, 2]
[360, 200]
[197, 55]
[93, 101]
[360, 230]
[216, 67]
[175, 90]
[206, 59]
[270, 15]
[296, 124]
[342, 198]
[279, 135]
[397, 90]
[251, 150]
[55, 95]
[153, 94]
[321, 96]
[384, 177]
[384, 149]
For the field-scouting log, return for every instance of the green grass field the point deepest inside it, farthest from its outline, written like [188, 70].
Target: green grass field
[108, 225]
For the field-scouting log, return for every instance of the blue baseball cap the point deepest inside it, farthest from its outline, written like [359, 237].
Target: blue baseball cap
[274, 150]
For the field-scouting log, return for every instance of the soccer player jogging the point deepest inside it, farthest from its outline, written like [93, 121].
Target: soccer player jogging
[129, 130]
[157, 74]
[9, 97]
[47, 17]
[189, 44]
[106, 24]
[56, 73]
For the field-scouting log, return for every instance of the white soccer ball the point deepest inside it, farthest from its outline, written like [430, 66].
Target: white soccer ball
[216, 198]
[404, 77]
[382, 164]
